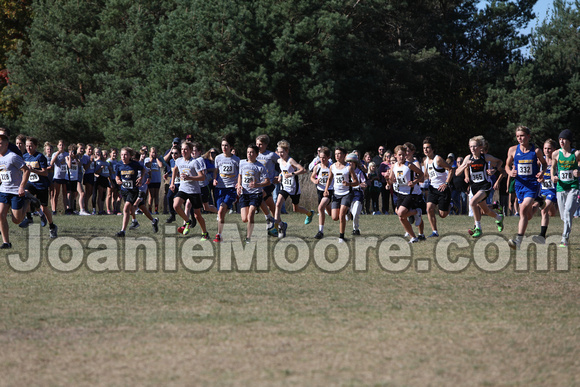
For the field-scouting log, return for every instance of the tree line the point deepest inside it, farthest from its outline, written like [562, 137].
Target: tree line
[352, 73]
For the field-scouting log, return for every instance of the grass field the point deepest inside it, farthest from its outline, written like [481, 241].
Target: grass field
[373, 328]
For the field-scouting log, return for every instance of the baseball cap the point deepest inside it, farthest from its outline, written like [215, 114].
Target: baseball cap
[451, 156]
[176, 140]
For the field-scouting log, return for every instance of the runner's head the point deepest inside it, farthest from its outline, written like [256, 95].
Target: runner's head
[429, 147]
[324, 154]
[127, 154]
[523, 135]
[283, 149]
[476, 145]
[340, 154]
[262, 142]
[252, 152]
[31, 145]
[549, 147]
[401, 153]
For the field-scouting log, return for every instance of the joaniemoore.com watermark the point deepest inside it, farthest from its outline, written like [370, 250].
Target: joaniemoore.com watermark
[170, 252]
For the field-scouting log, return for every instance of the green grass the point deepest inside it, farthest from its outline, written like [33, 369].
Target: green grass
[275, 328]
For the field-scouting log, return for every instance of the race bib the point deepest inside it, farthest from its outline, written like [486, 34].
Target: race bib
[248, 179]
[401, 180]
[566, 175]
[176, 180]
[5, 177]
[547, 184]
[74, 172]
[226, 169]
[477, 177]
[33, 178]
[524, 170]
[432, 173]
[338, 179]
[128, 184]
[378, 184]
[287, 182]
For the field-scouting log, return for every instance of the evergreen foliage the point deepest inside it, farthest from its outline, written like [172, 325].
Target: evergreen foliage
[356, 73]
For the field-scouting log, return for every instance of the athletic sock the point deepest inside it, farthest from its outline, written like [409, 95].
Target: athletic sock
[478, 224]
[321, 227]
[341, 236]
[543, 231]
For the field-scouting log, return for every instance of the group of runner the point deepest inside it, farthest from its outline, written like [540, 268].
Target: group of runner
[543, 177]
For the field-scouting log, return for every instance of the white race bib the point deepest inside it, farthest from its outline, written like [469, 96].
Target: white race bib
[33, 178]
[5, 177]
[524, 169]
[226, 169]
[566, 175]
[74, 172]
[248, 179]
[547, 184]
[477, 177]
[432, 173]
[128, 184]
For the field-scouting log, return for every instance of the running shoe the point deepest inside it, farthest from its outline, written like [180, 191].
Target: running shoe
[43, 220]
[134, 225]
[25, 222]
[319, 235]
[273, 232]
[421, 237]
[84, 213]
[120, 234]
[476, 232]
[282, 229]
[155, 224]
[355, 232]
[6, 245]
[204, 236]
[514, 244]
[414, 240]
[471, 230]
[171, 219]
[187, 227]
[540, 240]
[308, 219]
[341, 240]
[180, 229]
[248, 241]
[217, 238]
[53, 231]
[564, 243]
[499, 223]
[271, 221]
[434, 234]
